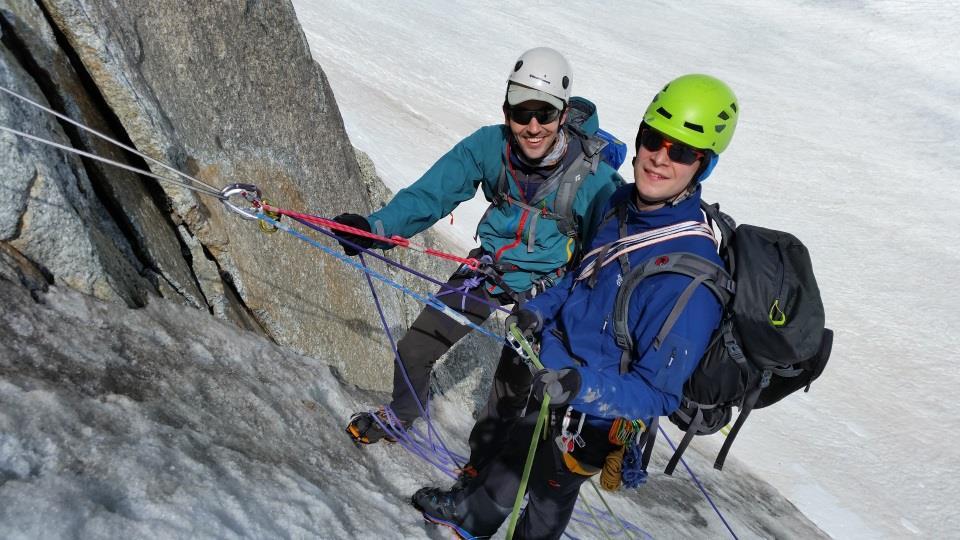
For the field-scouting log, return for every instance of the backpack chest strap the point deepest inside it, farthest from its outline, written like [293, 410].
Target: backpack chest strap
[565, 183]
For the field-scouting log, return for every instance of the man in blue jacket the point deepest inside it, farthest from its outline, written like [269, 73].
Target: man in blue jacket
[592, 386]
[547, 186]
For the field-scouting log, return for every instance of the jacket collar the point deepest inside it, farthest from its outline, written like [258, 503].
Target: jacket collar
[686, 210]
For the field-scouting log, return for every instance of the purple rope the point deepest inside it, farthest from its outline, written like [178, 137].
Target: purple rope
[586, 520]
[401, 266]
[464, 290]
[699, 485]
[406, 442]
[400, 365]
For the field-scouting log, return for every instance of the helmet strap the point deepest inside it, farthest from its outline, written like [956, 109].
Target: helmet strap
[706, 166]
[672, 200]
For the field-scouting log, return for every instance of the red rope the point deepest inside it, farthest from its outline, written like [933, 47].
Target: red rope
[472, 263]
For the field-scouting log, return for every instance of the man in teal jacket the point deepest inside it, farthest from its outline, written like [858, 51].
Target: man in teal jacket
[547, 186]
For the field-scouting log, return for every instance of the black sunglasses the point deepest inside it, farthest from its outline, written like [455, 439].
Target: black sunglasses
[677, 151]
[524, 116]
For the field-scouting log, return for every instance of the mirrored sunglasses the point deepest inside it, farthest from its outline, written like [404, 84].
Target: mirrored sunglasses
[678, 152]
[543, 116]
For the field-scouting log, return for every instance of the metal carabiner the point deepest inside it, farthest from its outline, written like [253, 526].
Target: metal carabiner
[248, 192]
[514, 341]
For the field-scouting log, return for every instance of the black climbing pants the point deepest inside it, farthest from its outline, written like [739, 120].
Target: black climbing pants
[552, 488]
[431, 335]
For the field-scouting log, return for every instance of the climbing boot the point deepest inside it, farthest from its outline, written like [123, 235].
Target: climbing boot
[440, 507]
[365, 429]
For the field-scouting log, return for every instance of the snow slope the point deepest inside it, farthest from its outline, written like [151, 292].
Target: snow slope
[848, 138]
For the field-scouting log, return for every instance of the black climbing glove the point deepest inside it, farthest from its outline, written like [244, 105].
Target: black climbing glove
[528, 322]
[562, 385]
[357, 222]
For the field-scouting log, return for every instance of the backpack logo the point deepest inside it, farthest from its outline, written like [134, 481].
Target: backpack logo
[776, 315]
[662, 260]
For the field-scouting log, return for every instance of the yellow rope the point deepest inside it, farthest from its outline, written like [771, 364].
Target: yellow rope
[610, 475]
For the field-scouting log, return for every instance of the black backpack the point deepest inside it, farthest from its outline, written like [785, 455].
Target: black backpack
[771, 341]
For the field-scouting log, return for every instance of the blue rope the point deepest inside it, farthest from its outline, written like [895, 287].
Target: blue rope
[432, 301]
[446, 288]
[631, 470]
[699, 485]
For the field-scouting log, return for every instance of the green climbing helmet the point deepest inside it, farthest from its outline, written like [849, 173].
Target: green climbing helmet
[698, 110]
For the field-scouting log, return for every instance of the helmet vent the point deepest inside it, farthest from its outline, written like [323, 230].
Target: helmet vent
[719, 127]
[723, 115]
[695, 127]
[518, 66]
[665, 113]
[565, 82]
[734, 106]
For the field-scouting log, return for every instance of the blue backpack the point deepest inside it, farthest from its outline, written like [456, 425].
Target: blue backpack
[614, 153]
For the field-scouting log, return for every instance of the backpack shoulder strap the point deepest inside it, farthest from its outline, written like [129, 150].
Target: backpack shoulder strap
[501, 191]
[702, 271]
[727, 227]
[573, 178]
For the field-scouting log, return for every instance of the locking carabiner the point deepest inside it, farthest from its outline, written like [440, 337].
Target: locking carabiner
[249, 193]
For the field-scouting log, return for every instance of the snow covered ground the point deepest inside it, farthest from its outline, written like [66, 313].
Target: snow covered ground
[848, 138]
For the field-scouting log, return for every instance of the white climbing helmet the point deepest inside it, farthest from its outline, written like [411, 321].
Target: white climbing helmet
[540, 74]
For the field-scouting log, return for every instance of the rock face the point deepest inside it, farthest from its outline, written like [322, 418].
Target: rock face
[49, 211]
[226, 92]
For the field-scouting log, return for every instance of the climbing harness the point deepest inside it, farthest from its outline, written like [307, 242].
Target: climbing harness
[566, 440]
[246, 201]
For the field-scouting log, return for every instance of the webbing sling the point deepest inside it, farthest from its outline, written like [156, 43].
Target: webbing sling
[625, 245]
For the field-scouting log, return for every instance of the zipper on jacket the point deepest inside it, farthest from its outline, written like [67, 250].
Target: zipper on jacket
[517, 239]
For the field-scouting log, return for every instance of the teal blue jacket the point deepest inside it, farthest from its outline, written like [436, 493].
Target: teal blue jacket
[504, 231]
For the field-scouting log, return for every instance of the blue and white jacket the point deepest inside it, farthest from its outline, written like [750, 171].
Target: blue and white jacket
[578, 321]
